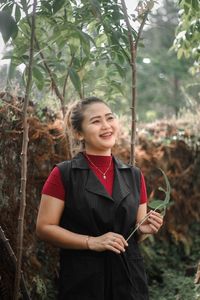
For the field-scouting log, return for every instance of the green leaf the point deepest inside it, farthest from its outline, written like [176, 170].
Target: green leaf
[186, 9]
[118, 86]
[121, 71]
[168, 190]
[39, 79]
[8, 54]
[162, 205]
[57, 5]
[188, 2]
[8, 8]
[85, 40]
[75, 79]
[95, 7]
[17, 13]
[180, 53]
[8, 26]
[156, 204]
[195, 4]
[161, 189]
[47, 6]
[11, 71]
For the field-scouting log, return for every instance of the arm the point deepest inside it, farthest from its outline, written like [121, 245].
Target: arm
[47, 228]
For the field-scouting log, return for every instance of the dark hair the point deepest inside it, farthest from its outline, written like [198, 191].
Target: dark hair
[74, 119]
[75, 113]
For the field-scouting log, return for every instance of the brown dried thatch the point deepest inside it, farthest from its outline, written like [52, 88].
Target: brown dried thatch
[47, 147]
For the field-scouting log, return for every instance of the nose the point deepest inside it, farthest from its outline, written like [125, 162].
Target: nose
[105, 124]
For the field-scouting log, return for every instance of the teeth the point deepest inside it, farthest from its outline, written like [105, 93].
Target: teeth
[106, 134]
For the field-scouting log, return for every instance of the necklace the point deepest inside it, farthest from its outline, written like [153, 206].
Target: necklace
[103, 173]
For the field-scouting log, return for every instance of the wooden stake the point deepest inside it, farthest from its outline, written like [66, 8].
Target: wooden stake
[24, 163]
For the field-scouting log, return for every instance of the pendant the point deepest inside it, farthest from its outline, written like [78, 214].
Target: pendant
[104, 176]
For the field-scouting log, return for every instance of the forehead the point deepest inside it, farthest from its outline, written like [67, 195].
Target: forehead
[96, 109]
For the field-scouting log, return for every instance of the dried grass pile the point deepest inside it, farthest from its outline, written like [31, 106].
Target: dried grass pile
[179, 160]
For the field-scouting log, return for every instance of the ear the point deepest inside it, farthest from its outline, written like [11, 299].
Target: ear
[78, 136]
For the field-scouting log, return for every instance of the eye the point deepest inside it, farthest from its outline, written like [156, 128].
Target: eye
[110, 118]
[95, 121]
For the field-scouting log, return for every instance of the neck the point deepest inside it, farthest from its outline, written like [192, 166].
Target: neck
[100, 153]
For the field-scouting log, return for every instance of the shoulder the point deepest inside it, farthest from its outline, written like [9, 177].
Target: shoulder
[63, 164]
[121, 165]
[65, 169]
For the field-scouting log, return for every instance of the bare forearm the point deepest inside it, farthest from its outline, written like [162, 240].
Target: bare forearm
[142, 236]
[61, 237]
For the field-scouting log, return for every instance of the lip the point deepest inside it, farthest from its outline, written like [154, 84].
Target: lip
[106, 135]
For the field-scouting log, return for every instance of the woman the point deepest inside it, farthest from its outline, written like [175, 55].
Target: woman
[89, 207]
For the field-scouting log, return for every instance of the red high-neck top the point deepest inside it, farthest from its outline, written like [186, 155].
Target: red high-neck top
[54, 186]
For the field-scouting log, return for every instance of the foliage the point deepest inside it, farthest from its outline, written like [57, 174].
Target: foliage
[8, 26]
[172, 270]
[160, 74]
[40, 288]
[188, 32]
[71, 37]
[176, 285]
[89, 49]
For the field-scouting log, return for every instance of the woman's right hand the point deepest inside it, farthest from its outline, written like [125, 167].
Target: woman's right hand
[110, 241]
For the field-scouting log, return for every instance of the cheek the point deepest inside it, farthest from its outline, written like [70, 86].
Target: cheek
[116, 126]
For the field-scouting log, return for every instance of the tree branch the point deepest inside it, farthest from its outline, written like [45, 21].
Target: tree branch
[24, 162]
[67, 75]
[53, 82]
[54, 85]
[133, 87]
[141, 28]
[133, 50]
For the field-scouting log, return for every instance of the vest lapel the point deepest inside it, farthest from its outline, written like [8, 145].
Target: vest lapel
[94, 186]
[120, 188]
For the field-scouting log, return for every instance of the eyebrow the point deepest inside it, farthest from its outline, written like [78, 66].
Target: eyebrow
[98, 117]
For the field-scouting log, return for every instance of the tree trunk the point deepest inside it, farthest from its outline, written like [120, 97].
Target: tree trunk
[24, 163]
[133, 51]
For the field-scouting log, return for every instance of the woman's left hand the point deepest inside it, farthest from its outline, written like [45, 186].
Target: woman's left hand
[152, 224]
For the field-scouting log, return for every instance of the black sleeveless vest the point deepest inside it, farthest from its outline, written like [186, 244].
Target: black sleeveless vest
[90, 210]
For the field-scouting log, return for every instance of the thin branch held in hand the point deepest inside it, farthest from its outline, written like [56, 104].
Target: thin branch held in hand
[141, 222]
[163, 205]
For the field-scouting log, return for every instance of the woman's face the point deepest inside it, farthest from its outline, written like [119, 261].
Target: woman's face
[99, 129]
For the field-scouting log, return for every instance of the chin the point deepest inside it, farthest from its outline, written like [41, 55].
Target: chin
[109, 145]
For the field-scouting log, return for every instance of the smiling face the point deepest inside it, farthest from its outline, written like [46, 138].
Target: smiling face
[99, 129]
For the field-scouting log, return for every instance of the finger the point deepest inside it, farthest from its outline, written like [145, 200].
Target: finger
[158, 219]
[116, 243]
[121, 238]
[119, 241]
[154, 228]
[156, 222]
[119, 245]
[111, 248]
[154, 213]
